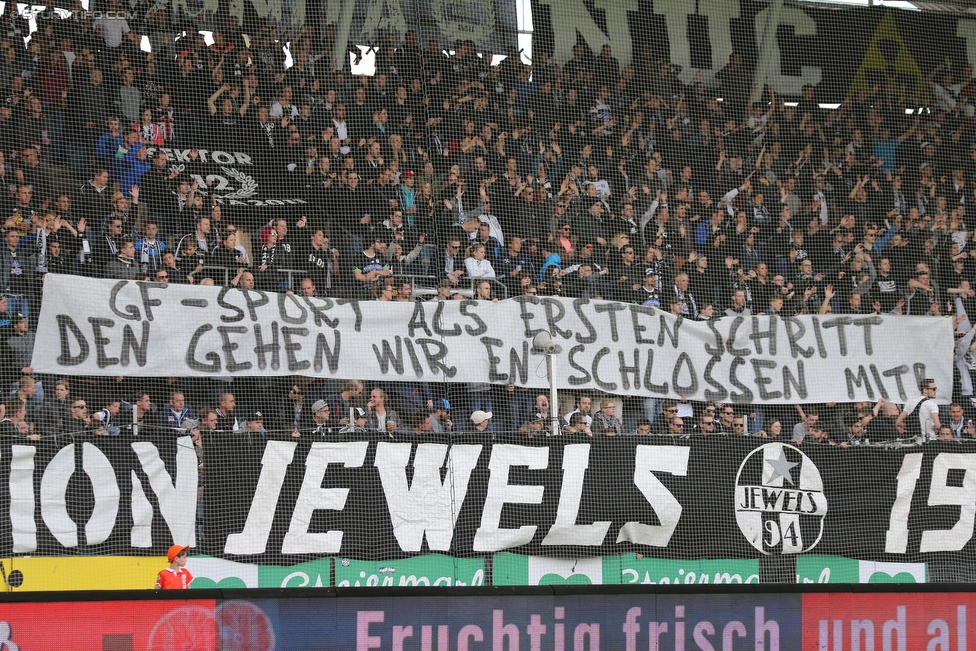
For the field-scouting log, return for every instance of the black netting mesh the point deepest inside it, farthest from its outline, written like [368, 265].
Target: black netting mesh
[715, 162]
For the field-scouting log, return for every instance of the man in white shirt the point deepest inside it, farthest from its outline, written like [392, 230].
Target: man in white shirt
[283, 107]
[486, 217]
[927, 409]
[808, 422]
[341, 127]
[112, 25]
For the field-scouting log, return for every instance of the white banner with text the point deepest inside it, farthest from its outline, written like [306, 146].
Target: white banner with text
[105, 327]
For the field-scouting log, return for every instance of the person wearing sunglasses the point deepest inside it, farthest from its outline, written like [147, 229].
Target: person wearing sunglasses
[726, 415]
[739, 425]
[80, 420]
[921, 414]
[706, 424]
[662, 424]
[676, 428]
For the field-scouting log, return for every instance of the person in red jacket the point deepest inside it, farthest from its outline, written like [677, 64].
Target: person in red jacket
[176, 576]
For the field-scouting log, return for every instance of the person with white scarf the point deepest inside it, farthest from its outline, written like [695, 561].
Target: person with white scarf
[149, 249]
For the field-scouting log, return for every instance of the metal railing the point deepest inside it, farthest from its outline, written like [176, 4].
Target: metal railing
[222, 271]
[465, 286]
[424, 285]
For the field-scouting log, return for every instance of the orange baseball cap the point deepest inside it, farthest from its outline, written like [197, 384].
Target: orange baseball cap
[175, 551]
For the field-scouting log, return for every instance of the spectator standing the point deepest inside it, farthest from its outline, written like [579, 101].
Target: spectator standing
[176, 576]
[605, 422]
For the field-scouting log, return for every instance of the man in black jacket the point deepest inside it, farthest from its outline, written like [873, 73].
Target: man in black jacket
[95, 199]
[106, 247]
[319, 424]
[226, 420]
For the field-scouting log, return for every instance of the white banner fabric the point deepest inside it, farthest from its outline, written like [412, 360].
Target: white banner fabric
[91, 326]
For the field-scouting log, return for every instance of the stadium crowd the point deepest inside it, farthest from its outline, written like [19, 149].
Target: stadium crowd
[441, 177]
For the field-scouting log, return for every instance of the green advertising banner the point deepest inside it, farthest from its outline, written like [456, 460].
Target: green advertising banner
[431, 569]
[209, 572]
[818, 568]
[515, 569]
[630, 569]
[520, 570]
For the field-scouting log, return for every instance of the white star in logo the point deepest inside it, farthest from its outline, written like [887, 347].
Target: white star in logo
[781, 468]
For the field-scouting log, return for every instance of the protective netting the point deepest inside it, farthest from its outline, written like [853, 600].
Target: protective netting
[298, 313]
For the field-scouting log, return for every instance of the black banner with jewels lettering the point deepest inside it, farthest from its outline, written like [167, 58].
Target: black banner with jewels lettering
[91, 494]
[379, 498]
[693, 498]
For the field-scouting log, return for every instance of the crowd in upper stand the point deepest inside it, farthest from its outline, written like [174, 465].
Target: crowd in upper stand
[442, 177]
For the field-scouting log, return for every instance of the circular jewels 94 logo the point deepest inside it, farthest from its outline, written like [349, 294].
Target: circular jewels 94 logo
[779, 500]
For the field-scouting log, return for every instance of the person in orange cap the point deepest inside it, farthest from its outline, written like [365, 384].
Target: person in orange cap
[176, 576]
